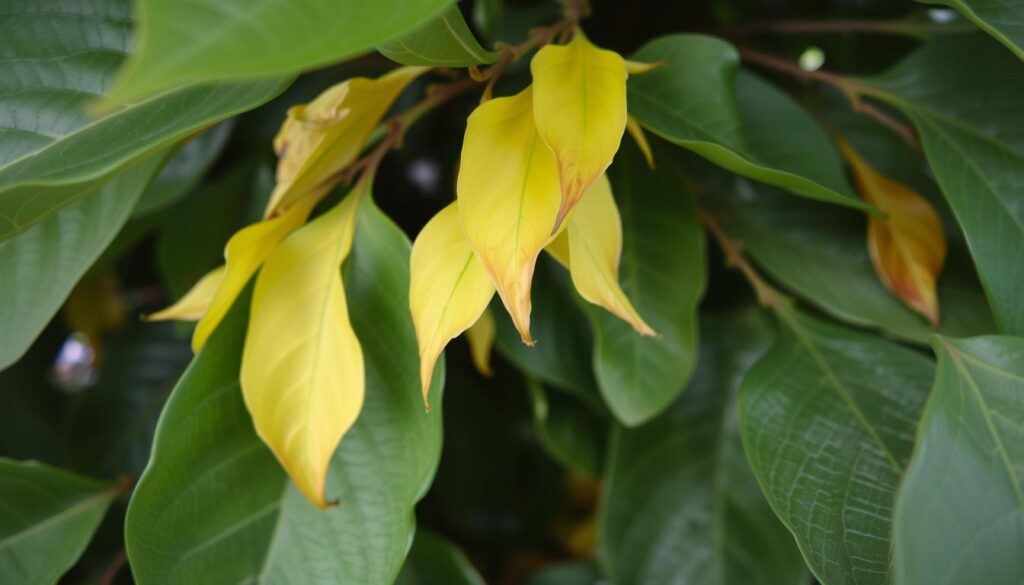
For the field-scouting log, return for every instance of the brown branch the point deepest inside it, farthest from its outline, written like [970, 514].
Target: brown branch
[767, 295]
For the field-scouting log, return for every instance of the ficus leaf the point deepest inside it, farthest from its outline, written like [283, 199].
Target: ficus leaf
[445, 41]
[580, 107]
[324, 136]
[1002, 19]
[481, 337]
[194, 304]
[245, 253]
[908, 247]
[302, 367]
[508, 198]
[448, 288]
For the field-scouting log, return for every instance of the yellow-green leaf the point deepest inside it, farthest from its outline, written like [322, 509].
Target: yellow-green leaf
[321, 138]
[302, 366]
[637, 132]
[193, 305]
[245, 253]
[580, 106]
[508, 198]
[448, 288]
[481, 342]
[908, 248]
[594, 241]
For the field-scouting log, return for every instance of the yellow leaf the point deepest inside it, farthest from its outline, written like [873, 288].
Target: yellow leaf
[193, 305]
[594, 240]
[321, 138]
[481, 342]
[448, 288]
[639, 68]
[302, 366]
[637, 132]
[908, 248]
[580, 105]
[508, 198]
[245, 253]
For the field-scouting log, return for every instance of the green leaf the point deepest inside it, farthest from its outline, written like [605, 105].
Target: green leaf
[663, 273]
[185, 169]
[827, 418]
[963, 94]
[42, 265]
[445, 41]
[59, 55]
[434, 559]
[960, 512]
[1003, 19]
[214, 505]
[47, 516]
[571, 573]
[573, 432]
[680, 504]
[691, 100]
[213, 40]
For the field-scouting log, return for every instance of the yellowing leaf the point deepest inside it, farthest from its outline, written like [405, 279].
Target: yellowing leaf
[595, 247]
[302, 366]
[481, 342]
[448, 288]
[323, 137]
[193, 305]
[508, 198]
[245, 253]
[580, 106]
[641, 139]
[908, 248]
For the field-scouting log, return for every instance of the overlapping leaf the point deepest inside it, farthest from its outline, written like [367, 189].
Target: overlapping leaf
[1002, 19]
[445, 41]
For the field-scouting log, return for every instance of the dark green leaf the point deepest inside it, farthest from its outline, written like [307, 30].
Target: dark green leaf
[210, 40]
[963, 94]
[59, 55]
[434, 560]
[1003, 19]
[575, 573]
[572, 431]
[691, 100]
[663, 273]
[960, 512]
[827, 418]
[680, 502]
[445, 41]
[47, 516]
[40, 267]
[214, 506]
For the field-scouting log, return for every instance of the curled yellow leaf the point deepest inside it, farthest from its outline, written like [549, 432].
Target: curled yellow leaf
[908, 247]
[637, 132]
[508, 198]
[302, 367]
[481, 342]
[591, 248]
[245, 253]
[193, 305]
[448, 288]
[321, 138]
[580, 106]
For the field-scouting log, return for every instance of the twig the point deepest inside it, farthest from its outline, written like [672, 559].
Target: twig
[767, 295]
[852, 89]
[109, 574]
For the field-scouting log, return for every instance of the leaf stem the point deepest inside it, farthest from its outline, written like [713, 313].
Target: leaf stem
[851, 88]
[767, 295]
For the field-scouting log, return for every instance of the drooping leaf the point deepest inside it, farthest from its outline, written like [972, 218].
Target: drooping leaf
[572, 431]
[691, 100]
[663, 272]
[321, 138]
[908, 246]
[444, 41]
[1002, 19]
[579, 104]
[827, 418]
[434, 559]
[40, 266]
[47, 517]
[591, 247]
[245, 252]
[480, 336]
[508, 198]
[232, 39]
[449, 290]
[214, 506]
[194, 303]
[960, 512]
[302, 367]
[963, 94]
[680, 503]
[59, 55]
